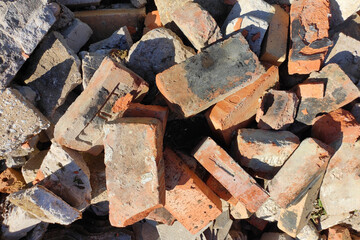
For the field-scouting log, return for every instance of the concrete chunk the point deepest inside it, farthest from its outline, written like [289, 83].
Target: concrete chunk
[90, 62]
[77, 34]
[31, 167]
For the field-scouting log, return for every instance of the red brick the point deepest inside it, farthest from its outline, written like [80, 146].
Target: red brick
[220, 190]
[152, 21]
[337, 126]
[210, 76]
[202, 31]
[339, 233]
[300, 171]
[188, 198]
[310, 90]
[80, 128]
[240, 184]
[309, 43]
[11, 181]
[134, 169]
[237, 110]
[257, 222]
[161, 215]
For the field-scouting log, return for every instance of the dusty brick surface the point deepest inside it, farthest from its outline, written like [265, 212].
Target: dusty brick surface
[237, 110]
[310, 90]
[80, 128]
[134, 178]
[304, 167]
[188, 198]
[339, 91]
[263, 151]
[11, 180]
[309, 45]
[216, 161]
[210, 76]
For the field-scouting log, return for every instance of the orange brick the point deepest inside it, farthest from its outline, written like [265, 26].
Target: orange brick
[339, 233]
[237, 110]
[11, 181]
[240, 184]
[134, 169]
[152, 21]
[310, 90]
[80, 128]
[220, 190]
[161, 215]
[188, 198]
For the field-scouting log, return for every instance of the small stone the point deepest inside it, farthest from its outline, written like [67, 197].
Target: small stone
[11, 181]
[139, 3]
[32, 166]
[45, 205]
[77, 34]
[120, 39]
[278, 110]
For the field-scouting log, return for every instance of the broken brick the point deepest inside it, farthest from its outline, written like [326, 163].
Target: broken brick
[240, 184]
[188, 198]
[210, 76]
[152, 21]
[263, 151]
[201, 32]
[237, 110]
[161, 215]
[339, 233]
[339, 91]
[310, 90]
[11, 180]
[309, 43]
[32, 166]
[220, 190]
[301, 171]
[80, 128]
[134, 178]
[278, 110]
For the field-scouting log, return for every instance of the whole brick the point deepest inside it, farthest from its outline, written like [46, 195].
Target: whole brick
[277, 110]
[300, 172]
[309, 44]
[11, 181]
[240, 184]
[188, 198]
[263, 151]
[237, 110]
[201, 32]
[339, 91]
[210, 76]
[19, 120]
[80, 128]
[134, 176]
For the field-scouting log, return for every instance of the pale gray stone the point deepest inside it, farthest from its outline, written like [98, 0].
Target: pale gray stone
[121, 39]
[269, 211]
[309, 232]
[90, 63]
[77, 34]
[15, 162]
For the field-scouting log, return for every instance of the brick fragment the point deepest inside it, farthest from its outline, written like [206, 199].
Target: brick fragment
[201, 32]
[237, 110]
[339, 233]
[120, 39]
[339, 91]
[188, 198]
[277, 110]
[80, 127]
[240, 184]
[77, 34]
[45, 205]
[309, 44]
[11, 181]
[310, 90]
[134, 178]
[20, 120]
[210, 76]
[161, 215]
[152, 21]
[32, 166]
[275, 43]
[263, 151]
[220, 190]
[301, 171]
[255, 18]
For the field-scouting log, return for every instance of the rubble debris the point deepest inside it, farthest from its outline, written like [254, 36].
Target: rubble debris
[77, 34]
[209, 77]
[355, 110]
[76, 3]
[32, 166]
[269, 211]
[161, 215]
[138, 3]
[152, 21]
[120, 39]
[90, 62]
[134, 172]
[310, 90]
[309, 232]
[11, 181]
[339, 232]
[342, 10]
[167, 232]
[64, 18]
[80, 128]
[45, 205]
[275, 236]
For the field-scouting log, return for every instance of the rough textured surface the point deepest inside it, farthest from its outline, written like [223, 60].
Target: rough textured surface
[264, 151]
[77, 34]
[210, 76]
[64, 172]
[310, 90]
[45, 205]
[90, 62]
[22, 26]
[11, 181]
[31, 167]
[135, 177]
[297, 176]
[254, 17]
[201, 32]
[339, 91]
[277, 110]
[339, 233]
[161, 215]
[309, 232]
[237, 110]
[309, 43]
[187, 197]
[152, 21]
[19, 120]
[219, 164]
[120, 39]
[156, 51]
[80, 127]
[276, 41]
[269, 211]
[53, 71]
[177, 229]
